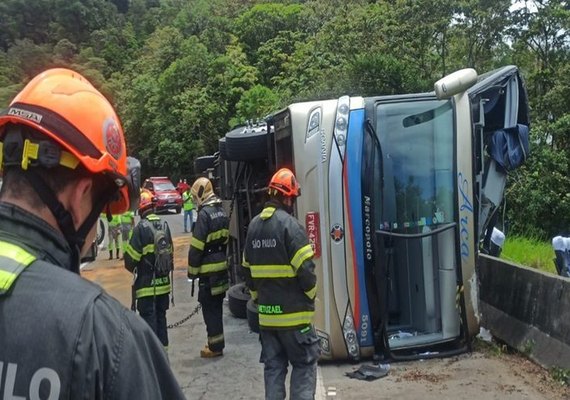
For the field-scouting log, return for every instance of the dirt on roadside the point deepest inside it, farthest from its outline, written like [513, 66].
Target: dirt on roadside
[536, 376]
[491, 370]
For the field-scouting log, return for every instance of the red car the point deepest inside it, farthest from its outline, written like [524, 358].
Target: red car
[166, 194]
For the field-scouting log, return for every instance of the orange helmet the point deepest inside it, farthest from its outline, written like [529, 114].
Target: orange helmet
[62, 105]
[284, 181]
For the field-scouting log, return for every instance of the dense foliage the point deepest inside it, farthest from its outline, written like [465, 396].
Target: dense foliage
[182, 72]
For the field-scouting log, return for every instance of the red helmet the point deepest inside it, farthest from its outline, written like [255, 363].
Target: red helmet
[284, 182]
[64, 107]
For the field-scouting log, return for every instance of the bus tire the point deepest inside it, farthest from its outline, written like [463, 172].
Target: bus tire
[203, 163]
[222, 148]
[238, 296]
[245, 146]
[252, 316]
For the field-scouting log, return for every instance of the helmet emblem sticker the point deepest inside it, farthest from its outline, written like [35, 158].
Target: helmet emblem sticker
[337, 233]
[112, 138]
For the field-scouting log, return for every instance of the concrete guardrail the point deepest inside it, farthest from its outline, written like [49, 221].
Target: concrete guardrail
[526, 308]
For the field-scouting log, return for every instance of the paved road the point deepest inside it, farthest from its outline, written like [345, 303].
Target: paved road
[239, 375]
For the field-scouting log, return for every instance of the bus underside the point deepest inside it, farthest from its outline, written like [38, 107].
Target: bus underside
[399, 193]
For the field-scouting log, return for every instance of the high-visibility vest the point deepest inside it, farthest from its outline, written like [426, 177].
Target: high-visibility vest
[187, 199]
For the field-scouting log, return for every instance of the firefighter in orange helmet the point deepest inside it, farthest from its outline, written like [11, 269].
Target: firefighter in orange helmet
[285, 292]
[64, 162]
[151, 287]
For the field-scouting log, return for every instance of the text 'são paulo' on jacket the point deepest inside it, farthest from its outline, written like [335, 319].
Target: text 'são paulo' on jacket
[279, 269]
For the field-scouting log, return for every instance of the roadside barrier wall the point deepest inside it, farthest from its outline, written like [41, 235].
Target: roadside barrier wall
[526, 308]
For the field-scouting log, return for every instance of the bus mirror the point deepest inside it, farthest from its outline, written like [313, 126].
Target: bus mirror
[454, 83]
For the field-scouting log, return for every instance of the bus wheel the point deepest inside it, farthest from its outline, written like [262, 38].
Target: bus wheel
[203, 163]
[238, 296]
[252, 316]
[244, 144]
[222, 148]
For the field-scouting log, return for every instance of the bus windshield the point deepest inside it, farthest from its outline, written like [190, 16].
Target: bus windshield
[415, 187]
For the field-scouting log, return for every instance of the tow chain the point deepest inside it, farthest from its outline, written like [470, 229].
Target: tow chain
[194, 312]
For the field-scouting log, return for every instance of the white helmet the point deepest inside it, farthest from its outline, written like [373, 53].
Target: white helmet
[202, 191]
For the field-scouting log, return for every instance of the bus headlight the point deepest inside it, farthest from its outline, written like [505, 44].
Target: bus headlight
[314, 124]
[341, 121]
[350, 337]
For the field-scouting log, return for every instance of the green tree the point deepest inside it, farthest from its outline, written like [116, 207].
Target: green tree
[254, 104]
[28, 58]
[478, 32]
[538, 196]
[264, 21]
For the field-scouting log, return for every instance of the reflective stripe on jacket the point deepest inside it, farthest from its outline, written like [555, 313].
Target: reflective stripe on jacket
[139, 255]
[279, 269]
[14, 260]
[207, 254]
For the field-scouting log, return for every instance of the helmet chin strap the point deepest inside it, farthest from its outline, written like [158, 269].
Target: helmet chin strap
[75, 238]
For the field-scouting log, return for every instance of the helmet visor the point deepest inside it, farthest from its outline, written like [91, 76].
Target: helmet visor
[129, 189]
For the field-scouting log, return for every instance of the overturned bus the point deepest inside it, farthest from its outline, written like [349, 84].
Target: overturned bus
[398, 195]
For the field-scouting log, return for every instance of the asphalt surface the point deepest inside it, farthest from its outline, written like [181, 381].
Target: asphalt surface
[236, 375]
[239, 375]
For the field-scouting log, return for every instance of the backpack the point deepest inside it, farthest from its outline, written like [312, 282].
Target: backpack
[163, 255]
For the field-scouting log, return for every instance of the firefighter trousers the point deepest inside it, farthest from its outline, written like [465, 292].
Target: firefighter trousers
[212, 312]
[153, 310]
[300, 347]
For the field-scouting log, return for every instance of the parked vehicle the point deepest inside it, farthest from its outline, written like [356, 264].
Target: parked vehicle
[167, 197]
[398, 194]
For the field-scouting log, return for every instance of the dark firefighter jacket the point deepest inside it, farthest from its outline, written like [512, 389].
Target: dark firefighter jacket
[279, 270]
[63, 337]
[207, 254]
[139, 255]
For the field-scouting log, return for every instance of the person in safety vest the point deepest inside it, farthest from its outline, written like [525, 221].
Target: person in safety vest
[207, 261]
[188, 209]
[64, 162]
[114, 235]
[151, 289]
[127, 226]
[279, 272]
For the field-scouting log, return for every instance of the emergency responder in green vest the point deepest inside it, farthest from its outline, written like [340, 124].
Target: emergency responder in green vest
[127, 226]
[207, 261]
[279, 272]
[151, 291]
[188, 209]
[114, 236]
[64, 162]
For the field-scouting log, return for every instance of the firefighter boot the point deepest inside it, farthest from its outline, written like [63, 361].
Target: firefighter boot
[207, 353]
[110, 254]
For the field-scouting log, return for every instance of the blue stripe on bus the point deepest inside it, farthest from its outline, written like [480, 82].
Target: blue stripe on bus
[353, 165]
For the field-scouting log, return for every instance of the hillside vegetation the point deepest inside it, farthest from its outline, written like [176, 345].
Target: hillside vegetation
[182, 72]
